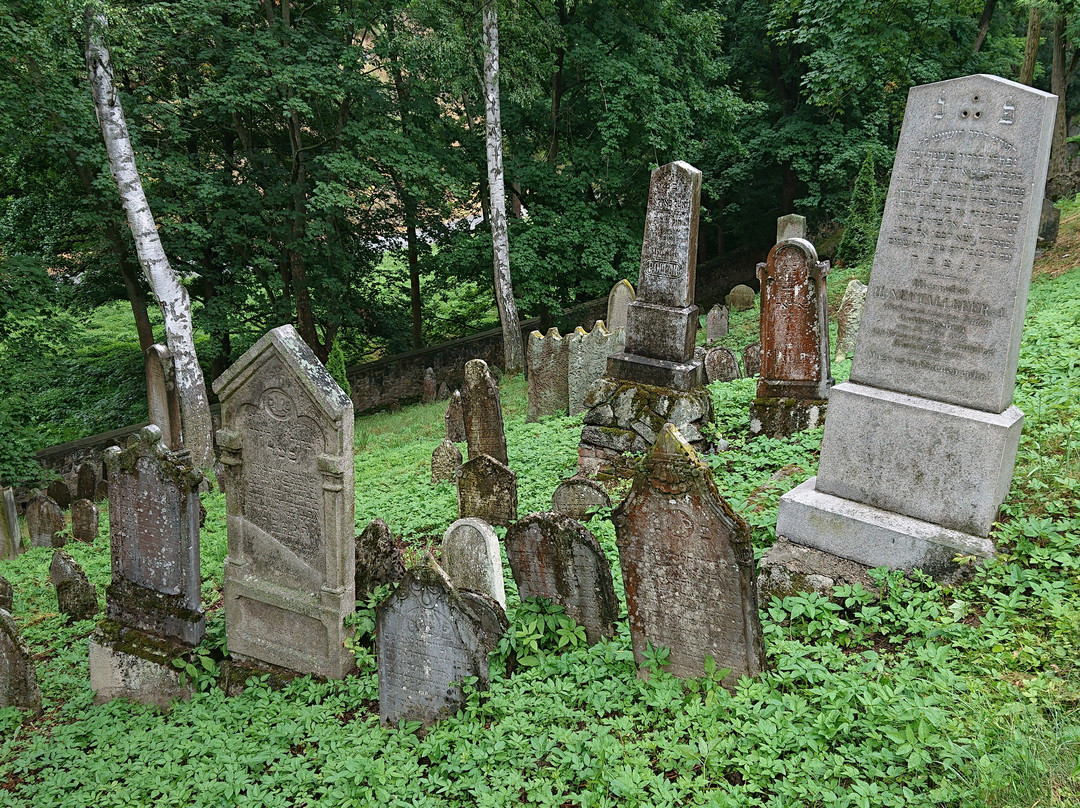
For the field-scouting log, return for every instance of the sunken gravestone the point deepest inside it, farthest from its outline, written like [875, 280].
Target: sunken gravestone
[455, 418]
[378, 559]
[848, 318]
[162, 399]
[18, 679]
[579, 498]
[589, 352]
[547, 357]
[721, 365]
[86, 480]
[555, 557]
[10, 535]
[286, 441]
[153, 611]
[716, 323]
[791, 226]
[795, 373]
[688, 566]
[920, 444]
[84, 520]
[445, 461]
[471, 558]
[483, 413]
[487, 489]
[60, 493]
[618, 303]
[430, 638]
[75, 595]
[740, 298]
[44, 520]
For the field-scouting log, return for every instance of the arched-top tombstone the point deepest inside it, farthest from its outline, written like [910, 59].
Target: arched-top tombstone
[619, 299]
[472, 560]
[287, 446]
[161, 396]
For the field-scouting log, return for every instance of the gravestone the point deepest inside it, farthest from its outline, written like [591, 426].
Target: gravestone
[579, 498]
[10, 535]
[44, 520]
[486, 489]
[7, 594]
[60, 493]
[75, 595]
[751, 360]
[84, 520]
[18, 679]
[721, 365]
[547, 357]
[483, 413]
[430, 387]
[286, 441]
[86, 482]
[716, 323]
[162, 398]
[618, 302]
[102, 492]
[431, 638]
[588, 355]
[472, 560]
[378, 559]
[740, 298]
[688, 566]
[444, 392]
[920, 445]
[445, 461]
[455, 419]
[791, 226]
[795, 374]
[555, 557]
[848, 317]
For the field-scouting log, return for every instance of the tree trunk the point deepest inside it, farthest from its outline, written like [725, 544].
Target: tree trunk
[1058, 182]
[1031, 46]
[171, 295]
[513, 351]
[984, 23]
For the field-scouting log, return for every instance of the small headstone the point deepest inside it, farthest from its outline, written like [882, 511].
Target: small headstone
[472, 560]
[555, 557]
[378, 559]
[162, 399]
[18, 680]
[741, 298]
[791, 226]
[483, 413]
[102, 492]
[721, 365]
[548, 358]
[444, 392]
[430, 639]
[430, 387]
[487, 490]
[75, 595]
[589, 352]
[716, 323]
[7, 594]
[445, 461]
[84, 520]
[848, 317]
[86, 481]
[60, 493]
[455, 418]
[579, 498]
[751, 360]
[10, 535]
[688, 566]
[44, 519]
[618, 302]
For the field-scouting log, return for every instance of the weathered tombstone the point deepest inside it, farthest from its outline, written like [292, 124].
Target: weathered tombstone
[791, 226]
[44, 519]
[751, 360]
[795, 373]
[483, 413]
[153, 610]
[18, 680]
[589, 352]
[10, 535]
[102, 492]
[555, 557]
[848, 317]
[75, 595]
[740, 298]
[721, 365]
[445, 461]
[161, 397]
[287, 445]
[84, 520]
[547, 357]
[487, 490]
[86, 481]
[7, 594]
[920, 445]
[455, 418]
[618, 302]
[444, 392]
[716, 323]
[60, 493]
[430, 389]
[472, 560]
[579, 498]
[688, 566]
[431, 638]
[378, 559]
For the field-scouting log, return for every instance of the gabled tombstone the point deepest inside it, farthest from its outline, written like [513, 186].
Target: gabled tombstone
[84, 520]
[445, 461]
[688, 566]
[482, 411]
[18, 679]
[430, 639]
[486, 489]
[44, 520]
[86, 481]
[618, 303]
[455, 418]
[287, 446]
[472, 559]
[162, 399]
[60, 493]
[555, 557]
[547, 357]
[588, 355]
[791, 226]
[579, 498]
[378, 559]
[10, 535]
[716, 323]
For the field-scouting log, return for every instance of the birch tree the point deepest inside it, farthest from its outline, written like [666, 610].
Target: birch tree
[165, 283]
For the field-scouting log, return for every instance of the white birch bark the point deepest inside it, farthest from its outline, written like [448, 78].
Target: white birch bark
[172, 296]
[513, 351]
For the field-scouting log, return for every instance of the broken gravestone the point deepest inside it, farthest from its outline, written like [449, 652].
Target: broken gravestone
[378, 559]
[579, 498]
[445, 461]
[482, 411]
[44, 520]
[18, 680]
[75, 595]
[84, 520]
[486, 489]
[472, 560]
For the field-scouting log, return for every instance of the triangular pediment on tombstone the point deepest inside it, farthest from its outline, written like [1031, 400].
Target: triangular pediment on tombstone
[285, 344]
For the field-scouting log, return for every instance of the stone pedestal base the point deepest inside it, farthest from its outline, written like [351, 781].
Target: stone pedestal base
[127, 664]
[780, 417]
[681, 376]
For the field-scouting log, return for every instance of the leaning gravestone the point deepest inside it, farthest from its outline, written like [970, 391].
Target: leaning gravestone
[287, 445]
[618, 302]
[483, 413]
[18, 680]
[848, 318]
[378, 559]
[920, 445]
[740, 298]
[589, 352]
[547, 357]
[721, 365]
[486, 489]
[162, 399]
[430, 639]
[10, 535]
[86, 481]
[688, 566]
[455, 418]
[44, 520]
[716, 323]
[472, 560]
[75, 595]
[84, 520]
[579, 498]
[445, 461]
[791, 226]
[60, 493]
[555, 557]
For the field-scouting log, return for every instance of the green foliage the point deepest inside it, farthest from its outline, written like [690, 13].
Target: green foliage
[335, 364]
[863, 217]
[538, 627]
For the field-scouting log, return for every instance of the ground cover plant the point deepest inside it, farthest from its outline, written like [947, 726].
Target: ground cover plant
[925, 697]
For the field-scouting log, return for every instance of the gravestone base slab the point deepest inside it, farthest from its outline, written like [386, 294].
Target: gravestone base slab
[128, 664]
[788, 569]
[875, 537]
[781, 417]
[682, 376]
